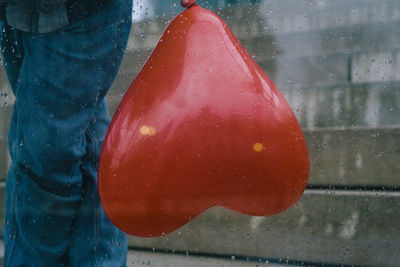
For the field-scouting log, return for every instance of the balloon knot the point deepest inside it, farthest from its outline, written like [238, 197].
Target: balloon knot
[188, 3]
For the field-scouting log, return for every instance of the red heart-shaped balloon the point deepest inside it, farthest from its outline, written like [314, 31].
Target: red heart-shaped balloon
[201, 125]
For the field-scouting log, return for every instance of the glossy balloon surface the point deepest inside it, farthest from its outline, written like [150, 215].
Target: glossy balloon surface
[201, 125]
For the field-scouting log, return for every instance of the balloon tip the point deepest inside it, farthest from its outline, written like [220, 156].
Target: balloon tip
[188, 3]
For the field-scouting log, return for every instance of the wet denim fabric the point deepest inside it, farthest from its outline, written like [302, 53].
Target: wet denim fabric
[59, 120]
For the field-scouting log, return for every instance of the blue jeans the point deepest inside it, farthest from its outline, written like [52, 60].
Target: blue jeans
[59, 120]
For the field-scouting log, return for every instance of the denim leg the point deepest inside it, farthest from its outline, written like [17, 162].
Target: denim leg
[60, 114]
[12, 55]
[108, 248]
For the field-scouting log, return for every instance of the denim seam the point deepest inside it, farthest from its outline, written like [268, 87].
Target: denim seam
[121, 17]
[97, 230]
[93, 143]
[12, 225]
[92, 140]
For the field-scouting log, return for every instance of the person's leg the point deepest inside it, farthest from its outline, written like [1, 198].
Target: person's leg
[104, 242]
[12, 56]
[62, 82]
[107, 246]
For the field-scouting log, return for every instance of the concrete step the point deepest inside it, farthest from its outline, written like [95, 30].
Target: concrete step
[354, 158]
[329, 99]
[271, 17]
[346, 39]
[330, 227]
[140, 258]
[157, 259]
[286, 16]
[325, 70]
[327, 227]
[371, 105]
[348, 54]
[339, 157]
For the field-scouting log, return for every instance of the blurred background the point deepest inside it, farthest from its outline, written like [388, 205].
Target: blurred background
[337, 62]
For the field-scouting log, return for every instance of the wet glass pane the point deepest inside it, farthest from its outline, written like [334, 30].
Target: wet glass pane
[337, 63]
